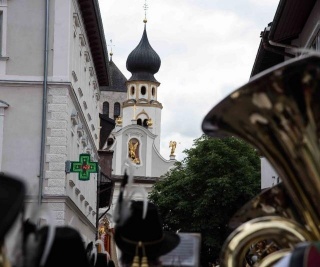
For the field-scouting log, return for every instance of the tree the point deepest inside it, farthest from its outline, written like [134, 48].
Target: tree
[201, 193]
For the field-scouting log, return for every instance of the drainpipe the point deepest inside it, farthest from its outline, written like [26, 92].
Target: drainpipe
[282, 45]
[267, 46]
[44, 103]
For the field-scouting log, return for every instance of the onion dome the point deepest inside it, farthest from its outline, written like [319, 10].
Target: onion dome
[143, 62]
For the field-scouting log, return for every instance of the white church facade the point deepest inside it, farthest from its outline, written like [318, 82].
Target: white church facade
[136, 136]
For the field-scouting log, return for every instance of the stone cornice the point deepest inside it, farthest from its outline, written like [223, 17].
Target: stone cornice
[68, 201]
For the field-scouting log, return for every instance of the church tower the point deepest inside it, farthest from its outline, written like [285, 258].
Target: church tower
[136, 136]
[142, 107]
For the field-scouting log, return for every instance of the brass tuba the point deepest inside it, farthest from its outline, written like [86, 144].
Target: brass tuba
[278, 112]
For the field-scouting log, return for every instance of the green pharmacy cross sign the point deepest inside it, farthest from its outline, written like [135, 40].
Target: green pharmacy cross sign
[84, 167]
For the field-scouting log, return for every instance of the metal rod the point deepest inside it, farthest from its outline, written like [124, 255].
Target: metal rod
[98, 197]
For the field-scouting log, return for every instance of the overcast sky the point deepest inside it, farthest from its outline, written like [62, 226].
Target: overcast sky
[207, 50]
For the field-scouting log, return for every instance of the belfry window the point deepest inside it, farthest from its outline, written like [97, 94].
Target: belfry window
[132, 90]
[153, 91]
[110, 141]
[316, 42]
[116, 110]
[139, 122]
[143, 90]
[105, 108]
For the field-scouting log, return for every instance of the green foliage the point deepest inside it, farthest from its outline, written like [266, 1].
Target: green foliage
[201, 193]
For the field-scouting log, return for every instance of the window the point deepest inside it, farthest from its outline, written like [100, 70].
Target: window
[3, 34]
[105, 108]
[153, 91]
[143, 90]
[1, 31]
[116, 111]
[110, 142]
[139, 122]
[145, 123]
[316, 42]
[3, 106]
[132, 90]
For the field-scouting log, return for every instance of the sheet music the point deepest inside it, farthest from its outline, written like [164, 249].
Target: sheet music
[186, 254]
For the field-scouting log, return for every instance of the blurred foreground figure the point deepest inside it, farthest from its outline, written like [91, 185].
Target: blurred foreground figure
[12, 193]
[140, 236]
[306, 254]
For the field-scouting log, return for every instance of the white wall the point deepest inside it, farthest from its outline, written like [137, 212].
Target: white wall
[25, 38]
[22, 131]
[269, 177]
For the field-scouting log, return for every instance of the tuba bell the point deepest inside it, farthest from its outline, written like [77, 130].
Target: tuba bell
[278, 112]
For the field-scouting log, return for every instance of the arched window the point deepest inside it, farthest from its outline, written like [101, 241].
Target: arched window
[143, 90]
[139, 122]
[110, 141]
[132, 90]
[116, 111]
[105, 108]
[153, 91]
[145, 123]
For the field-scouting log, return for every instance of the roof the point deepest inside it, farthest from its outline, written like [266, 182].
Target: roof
[107, 125]
[288, 22]
[117, 79]
[266, 59]
[143, 62]
[90, 12]
[290, 18]
[106, 188]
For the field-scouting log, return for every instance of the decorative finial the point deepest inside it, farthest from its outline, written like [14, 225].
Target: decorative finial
[111, 53]
[145, 7]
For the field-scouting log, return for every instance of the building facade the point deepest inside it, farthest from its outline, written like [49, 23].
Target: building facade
[295, 30]
[51, 71]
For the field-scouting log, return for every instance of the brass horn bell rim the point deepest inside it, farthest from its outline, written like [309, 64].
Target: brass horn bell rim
[268, 227]
[277, 112]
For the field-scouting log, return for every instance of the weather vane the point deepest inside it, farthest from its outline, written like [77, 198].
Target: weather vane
[111, 45]
[145, 7]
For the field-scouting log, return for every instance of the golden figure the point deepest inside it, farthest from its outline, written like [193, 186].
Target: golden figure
[119, 120]
[132, 151]
[149, 122]
[102, 230]
[173, 145]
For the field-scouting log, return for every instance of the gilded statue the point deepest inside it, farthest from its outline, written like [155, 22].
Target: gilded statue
[149, 122]
[173, 145]
[132, 151]
[119, 120]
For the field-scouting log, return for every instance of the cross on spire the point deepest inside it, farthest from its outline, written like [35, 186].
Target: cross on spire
[145, 7]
